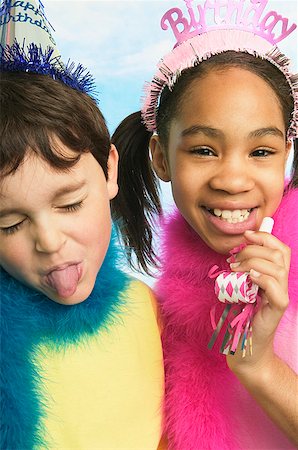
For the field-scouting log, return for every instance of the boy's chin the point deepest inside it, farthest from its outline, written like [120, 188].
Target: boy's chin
[79, 296]
[69, 301]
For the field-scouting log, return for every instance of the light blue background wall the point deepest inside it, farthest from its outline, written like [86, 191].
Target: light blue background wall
[121, 42]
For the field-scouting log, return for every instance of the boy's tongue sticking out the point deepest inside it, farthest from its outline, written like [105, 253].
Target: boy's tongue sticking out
[65, 280]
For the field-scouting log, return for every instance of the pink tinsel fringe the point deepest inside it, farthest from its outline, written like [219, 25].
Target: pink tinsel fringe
[195, 50]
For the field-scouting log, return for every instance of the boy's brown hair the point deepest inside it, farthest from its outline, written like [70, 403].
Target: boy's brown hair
[38, 111]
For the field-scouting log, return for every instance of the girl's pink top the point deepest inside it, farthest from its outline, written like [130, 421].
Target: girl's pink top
[206, 407]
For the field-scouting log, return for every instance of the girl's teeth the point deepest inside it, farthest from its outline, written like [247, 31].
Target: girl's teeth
[235, 216]
[225, 214]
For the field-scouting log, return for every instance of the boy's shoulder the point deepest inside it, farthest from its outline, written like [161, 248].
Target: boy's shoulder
[140, 294]
[136, 283]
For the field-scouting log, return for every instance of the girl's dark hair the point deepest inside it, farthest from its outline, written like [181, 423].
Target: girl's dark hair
[36, 110]
[139, 199]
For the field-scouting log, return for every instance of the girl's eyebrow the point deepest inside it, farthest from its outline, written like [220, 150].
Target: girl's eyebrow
[208, 131]
[214, 132]
[273, 131]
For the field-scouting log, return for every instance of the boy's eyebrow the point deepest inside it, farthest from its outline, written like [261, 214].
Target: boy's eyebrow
[68, 189]
[8, 211]
[59, 193]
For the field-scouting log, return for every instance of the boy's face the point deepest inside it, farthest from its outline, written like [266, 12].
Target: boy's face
[55, 226]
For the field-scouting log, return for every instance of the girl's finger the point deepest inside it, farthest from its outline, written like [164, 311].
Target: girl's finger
[257, 251]
[267, 240]
[274, 291]
[264, 267]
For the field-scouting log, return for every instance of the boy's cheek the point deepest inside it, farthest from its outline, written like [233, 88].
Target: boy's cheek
[96, 231]
[12, 255]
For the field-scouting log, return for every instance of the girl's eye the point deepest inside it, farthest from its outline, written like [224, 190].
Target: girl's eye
[202, 151]
[13, 228]
[73, 207]
[261, 153]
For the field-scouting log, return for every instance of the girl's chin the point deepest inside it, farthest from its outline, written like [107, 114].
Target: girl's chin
[224, 245]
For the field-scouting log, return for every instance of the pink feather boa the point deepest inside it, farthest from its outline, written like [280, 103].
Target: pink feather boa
[206, 407]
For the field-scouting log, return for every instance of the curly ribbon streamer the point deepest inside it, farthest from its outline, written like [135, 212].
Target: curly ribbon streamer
[234, 288]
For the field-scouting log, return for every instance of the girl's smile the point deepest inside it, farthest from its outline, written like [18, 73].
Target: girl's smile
[232, 221]
[226, 155]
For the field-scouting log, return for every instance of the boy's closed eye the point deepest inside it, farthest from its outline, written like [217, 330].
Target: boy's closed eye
[17, 226]
[72, 207]
[13, 228]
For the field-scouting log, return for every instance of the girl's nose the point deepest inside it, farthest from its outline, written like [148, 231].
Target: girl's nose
[48, 239]
[233, 176]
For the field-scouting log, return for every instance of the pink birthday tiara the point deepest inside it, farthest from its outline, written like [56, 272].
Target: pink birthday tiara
[213, 28]
[222, 14]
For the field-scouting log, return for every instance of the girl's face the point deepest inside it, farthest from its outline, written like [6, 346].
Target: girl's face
[55, 226]
[226, 156]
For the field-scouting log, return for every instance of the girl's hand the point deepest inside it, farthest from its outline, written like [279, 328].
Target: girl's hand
[268, 261]
[269, 380]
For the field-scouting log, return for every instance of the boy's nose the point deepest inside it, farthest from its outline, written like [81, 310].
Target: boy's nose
[233, 177]
[48, 239]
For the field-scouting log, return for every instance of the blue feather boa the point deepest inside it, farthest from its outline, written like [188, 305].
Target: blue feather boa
[27, 318]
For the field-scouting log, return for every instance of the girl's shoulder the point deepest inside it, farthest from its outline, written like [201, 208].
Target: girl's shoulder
[286, 219]
[286, 229]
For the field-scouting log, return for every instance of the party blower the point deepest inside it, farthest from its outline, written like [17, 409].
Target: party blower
[241, 295]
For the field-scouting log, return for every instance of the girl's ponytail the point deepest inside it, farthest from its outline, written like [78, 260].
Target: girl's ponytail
[138, 201]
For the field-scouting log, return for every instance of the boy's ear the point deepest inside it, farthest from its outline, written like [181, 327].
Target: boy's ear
[159, 160]
[112, 184]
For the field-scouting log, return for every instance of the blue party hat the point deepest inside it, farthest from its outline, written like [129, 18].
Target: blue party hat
[27, 45]
[24, 20]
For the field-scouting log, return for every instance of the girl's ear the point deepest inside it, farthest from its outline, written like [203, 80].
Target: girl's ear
[159, 160]
[112, 184]
[289, 146]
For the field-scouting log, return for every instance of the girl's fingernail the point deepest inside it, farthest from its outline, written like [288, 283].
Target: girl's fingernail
[254, 273]
[249, 232]
[234, 265]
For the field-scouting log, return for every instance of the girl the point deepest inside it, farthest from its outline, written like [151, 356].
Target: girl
[220, 117]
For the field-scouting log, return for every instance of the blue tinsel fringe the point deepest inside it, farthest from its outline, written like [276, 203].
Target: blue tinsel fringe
[16, 58]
